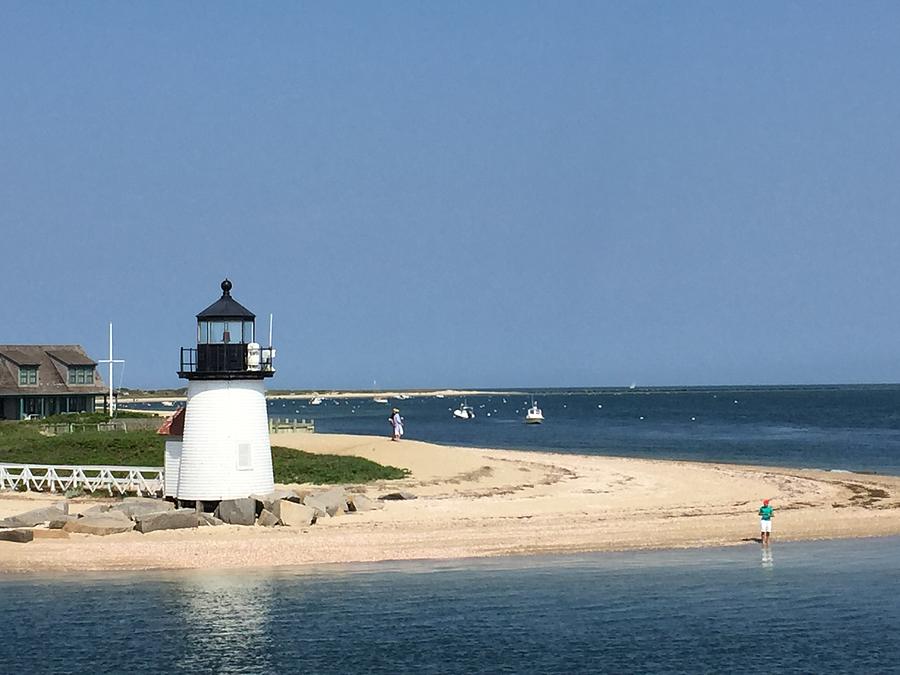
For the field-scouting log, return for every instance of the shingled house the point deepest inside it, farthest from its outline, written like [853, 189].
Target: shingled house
[47, 379]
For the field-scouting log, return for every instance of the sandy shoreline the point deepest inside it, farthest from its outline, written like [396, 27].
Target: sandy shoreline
[477, 503]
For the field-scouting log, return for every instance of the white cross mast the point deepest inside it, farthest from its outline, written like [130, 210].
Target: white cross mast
[111, 361]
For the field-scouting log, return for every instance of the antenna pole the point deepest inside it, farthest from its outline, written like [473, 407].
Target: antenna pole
[270, 330]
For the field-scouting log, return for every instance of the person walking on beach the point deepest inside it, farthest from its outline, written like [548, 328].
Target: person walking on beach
[765, 521]
[397, 423]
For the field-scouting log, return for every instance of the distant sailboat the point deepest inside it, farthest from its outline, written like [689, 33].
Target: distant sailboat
[316, 401]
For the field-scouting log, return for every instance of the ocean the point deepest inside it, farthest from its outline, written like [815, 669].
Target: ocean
[818, 607]
[813, 607]
[849, 428]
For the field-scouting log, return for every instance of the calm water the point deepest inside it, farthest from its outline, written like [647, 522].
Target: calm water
[807, 608]
[849, 428]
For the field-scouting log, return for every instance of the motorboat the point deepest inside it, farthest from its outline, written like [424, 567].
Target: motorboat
[316, 401]
[464, 412]
[379, 399]
[534, 414]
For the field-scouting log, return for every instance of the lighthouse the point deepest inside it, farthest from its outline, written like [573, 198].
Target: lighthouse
[225, 451]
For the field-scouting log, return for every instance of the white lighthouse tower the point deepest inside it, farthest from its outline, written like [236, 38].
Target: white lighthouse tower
[225, 451]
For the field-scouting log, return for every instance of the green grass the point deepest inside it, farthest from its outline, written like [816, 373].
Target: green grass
[22, 443]
[296, 466]
[25, 445]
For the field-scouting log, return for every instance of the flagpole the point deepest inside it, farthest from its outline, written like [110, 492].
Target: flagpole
[111, 361]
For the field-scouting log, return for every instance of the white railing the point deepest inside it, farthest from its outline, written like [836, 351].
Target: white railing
[59, 478]
[279, 424]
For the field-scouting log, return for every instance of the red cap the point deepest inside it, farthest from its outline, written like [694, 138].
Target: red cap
[765, 501]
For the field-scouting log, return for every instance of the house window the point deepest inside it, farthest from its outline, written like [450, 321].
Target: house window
[28, 375]
[81, 375]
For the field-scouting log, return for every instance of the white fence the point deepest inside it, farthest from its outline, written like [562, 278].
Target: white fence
[113, 479]
[288, 424]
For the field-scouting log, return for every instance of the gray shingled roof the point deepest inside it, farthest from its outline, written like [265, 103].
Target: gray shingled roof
[71, 357]
[51, 361]
[20, 358]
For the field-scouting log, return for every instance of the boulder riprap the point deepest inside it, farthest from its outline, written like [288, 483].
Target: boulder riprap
[103, 524]
[209, 519]
[397, 496]
[140, 506]
[237, 511]
[173, 519]
[18, 536]
[58, 522]
[358, 502]
[270, 501]
[36, 516]
[296, 515]
[267, 519]
[331, 502]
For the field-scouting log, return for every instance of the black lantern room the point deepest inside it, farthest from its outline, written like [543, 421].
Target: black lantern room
[226, 344]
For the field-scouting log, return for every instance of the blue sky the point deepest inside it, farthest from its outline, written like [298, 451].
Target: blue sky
[460, 194]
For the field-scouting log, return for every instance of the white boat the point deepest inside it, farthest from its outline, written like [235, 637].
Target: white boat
[464, 412]
[403, 397]
[534, 414]
[379, 399]
[316, 401]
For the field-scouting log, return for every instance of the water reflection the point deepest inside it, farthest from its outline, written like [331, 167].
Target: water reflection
[768, 562]
[225, 622]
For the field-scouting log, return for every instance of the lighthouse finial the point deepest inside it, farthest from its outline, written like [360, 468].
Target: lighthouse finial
[226, 287]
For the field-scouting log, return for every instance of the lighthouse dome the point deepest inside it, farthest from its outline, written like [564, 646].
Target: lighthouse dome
[226, 307]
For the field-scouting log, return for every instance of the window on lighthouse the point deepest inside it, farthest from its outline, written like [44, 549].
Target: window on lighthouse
[218, 330]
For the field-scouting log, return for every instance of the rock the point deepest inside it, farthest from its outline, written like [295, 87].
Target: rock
[296, 515]
[36, 516]
[237, 511]
[397, 496]
[205, 519]
[331, 502]
[270, 502]
[267, 519]
[50, 534]
[139, 506]
[96, 510]
[100, 525]
[18, 536]
[172, 519]
[287, 495]
[360, 502]
[58, 522]
[115, 514]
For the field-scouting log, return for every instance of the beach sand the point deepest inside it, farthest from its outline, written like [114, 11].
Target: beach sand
[475, 503]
